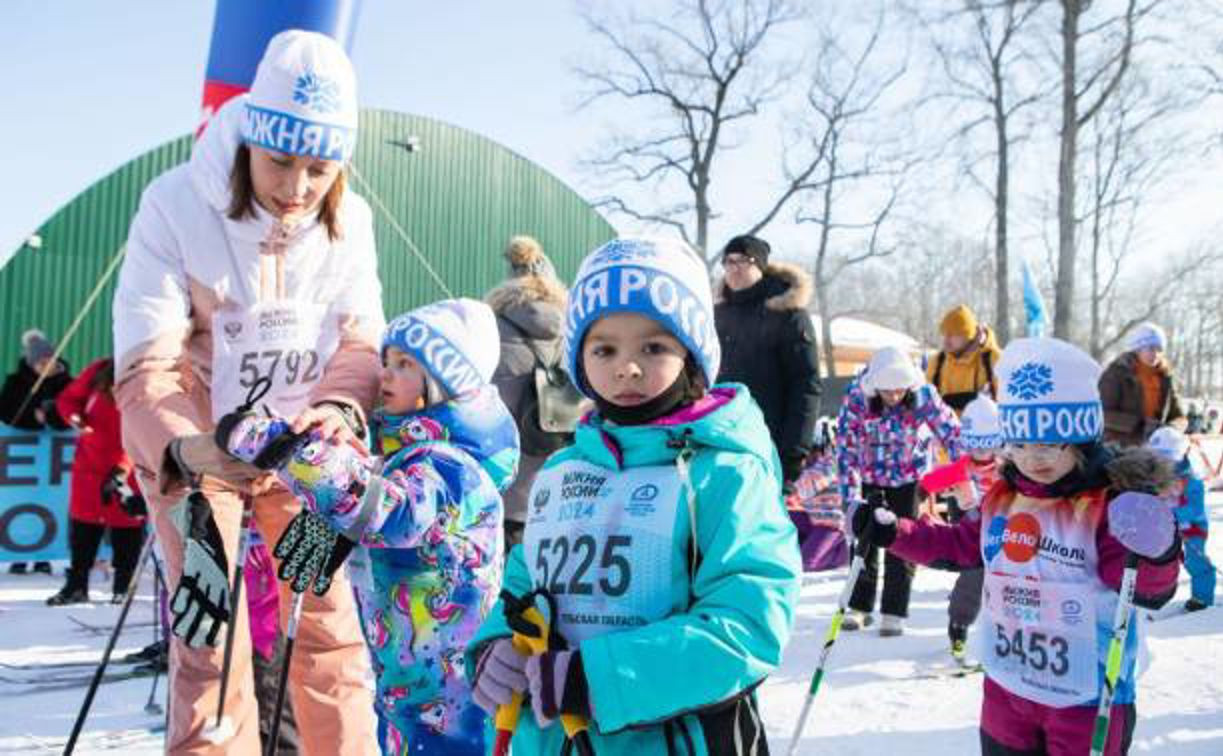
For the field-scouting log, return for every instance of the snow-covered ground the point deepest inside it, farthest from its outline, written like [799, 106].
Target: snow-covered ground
[869, 702]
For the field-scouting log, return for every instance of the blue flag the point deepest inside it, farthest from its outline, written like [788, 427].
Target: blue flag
[1033, 304]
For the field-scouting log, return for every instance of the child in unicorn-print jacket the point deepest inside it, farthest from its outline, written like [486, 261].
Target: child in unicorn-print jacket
[428, 509]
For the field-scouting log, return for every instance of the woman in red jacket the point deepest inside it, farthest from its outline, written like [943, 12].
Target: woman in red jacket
[100, 471]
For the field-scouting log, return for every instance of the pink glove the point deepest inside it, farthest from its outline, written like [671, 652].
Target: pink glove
[1143, 523]
[500, 673]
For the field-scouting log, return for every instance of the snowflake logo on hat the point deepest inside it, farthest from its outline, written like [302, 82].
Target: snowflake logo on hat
[618, 251]
[317, 92]
[1030, 381]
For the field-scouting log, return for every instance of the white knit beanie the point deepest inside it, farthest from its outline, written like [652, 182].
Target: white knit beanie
[890, 369]
[1050, 393]
[456, 340]
[979, 427]
[304, 98]
[1147, 336]
[662, 279]
[1169, 443]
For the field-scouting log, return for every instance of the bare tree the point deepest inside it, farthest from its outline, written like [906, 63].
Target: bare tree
[1124, 164]
[697, 73]
[980, 65]
[844, 94]
[1084, 93]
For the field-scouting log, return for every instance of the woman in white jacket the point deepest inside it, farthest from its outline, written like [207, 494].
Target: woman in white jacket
[253, 261]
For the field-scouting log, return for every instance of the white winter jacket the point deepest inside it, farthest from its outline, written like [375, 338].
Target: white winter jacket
[186, 260]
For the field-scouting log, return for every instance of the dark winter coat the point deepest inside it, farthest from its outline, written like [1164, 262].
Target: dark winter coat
[99, 451]
[530, 312]
[17, 387]
[1125, 422]
[768, 344]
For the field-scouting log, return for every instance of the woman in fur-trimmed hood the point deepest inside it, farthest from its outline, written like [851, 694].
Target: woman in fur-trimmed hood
[768, 344]
[530, 310]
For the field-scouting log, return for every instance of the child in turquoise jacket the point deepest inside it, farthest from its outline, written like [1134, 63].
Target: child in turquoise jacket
[660, 535]
[1189, 496]
[427, 507]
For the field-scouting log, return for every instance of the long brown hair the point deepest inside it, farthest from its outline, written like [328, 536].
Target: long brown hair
[103, 381]
[242, 195]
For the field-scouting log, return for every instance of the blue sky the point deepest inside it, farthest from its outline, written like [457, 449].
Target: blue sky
[93, 84]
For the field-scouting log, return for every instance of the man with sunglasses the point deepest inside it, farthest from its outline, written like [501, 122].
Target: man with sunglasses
[768, 344]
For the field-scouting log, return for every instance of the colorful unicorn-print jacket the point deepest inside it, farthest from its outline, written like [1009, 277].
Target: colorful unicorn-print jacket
[886, 446]
[433, 563]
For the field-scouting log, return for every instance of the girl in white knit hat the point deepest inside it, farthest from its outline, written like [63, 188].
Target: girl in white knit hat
[252, 262]
[1054, 538]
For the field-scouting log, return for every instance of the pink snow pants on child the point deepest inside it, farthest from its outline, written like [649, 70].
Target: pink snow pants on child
[1015, 726]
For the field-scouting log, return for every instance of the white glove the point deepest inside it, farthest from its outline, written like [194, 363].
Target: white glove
[200, 605]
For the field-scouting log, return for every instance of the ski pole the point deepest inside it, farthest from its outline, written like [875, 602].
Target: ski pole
[533, 636]
[145, 551]
[235, 595]
[1116, 646]
[834, 630]
[151, 706]
[295, 613]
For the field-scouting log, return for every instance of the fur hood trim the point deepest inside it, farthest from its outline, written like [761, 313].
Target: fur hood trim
[798, 293]
[1140, 469]
[525, 290]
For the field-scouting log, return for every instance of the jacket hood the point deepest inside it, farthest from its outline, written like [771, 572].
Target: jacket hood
[727, 420]
[986, 341]
[536, 304]
[212, 163]
[478, 423]
[785, 287]
[212, 158]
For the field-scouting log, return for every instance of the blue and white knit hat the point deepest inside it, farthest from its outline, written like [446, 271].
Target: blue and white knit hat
[1169, 443]
[456, 340]
[660, 278]
[1049, 393]
[304, 98]
[979, 427]
[1147, 336]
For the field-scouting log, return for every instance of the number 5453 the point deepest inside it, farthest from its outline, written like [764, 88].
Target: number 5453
[1036, 652]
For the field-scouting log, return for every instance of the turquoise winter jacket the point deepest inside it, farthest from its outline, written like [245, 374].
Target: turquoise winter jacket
[682, 679]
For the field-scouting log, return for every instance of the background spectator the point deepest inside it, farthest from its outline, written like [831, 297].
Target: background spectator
[768, 344]
[530, 310]
[25, 407]
[965, 365]
[1138, 389]
[101, 479]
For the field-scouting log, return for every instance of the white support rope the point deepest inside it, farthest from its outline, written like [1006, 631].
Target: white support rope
[65, 339]
[372, 196]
